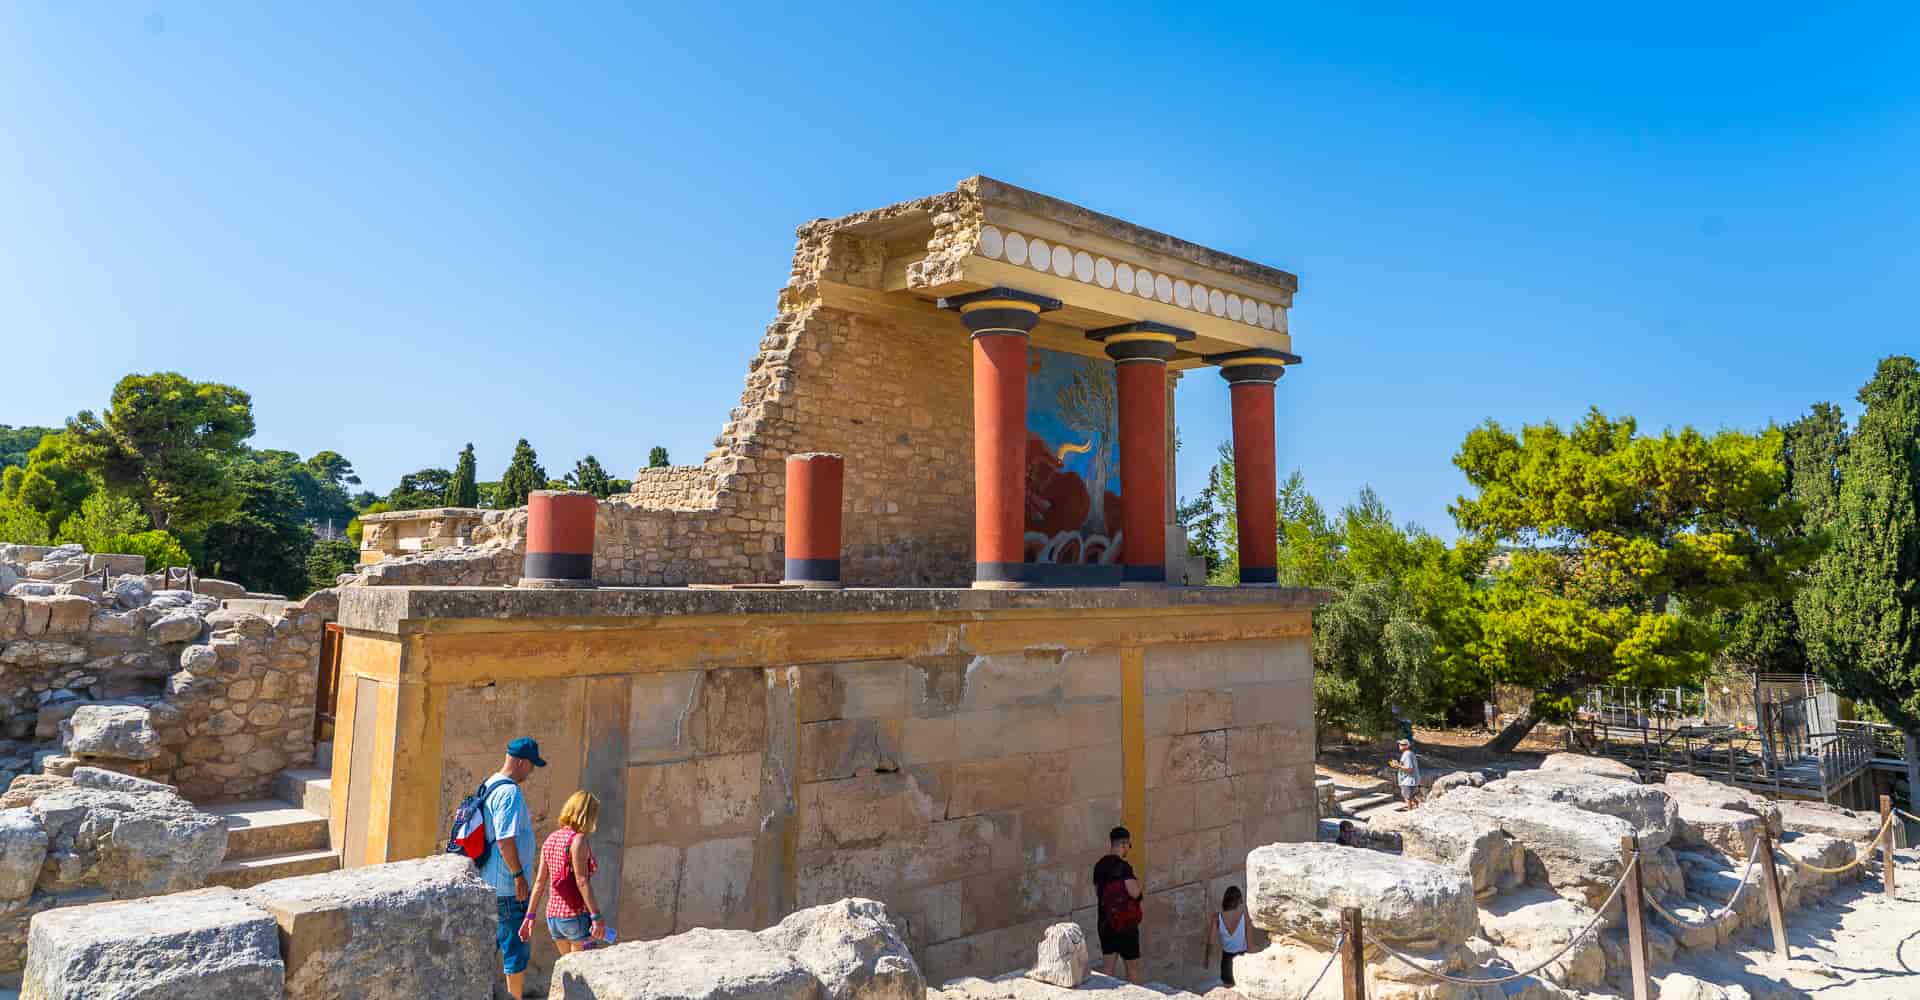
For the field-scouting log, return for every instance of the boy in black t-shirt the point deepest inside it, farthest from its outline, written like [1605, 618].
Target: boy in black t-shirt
[1117, 891]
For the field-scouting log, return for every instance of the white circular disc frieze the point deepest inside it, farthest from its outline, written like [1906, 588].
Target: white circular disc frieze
[1199, 298]
[1233, 308]
[1103, 272]
[1039, 255]
[1163, 288]
[1266, 316]
[1083, 266]
[1143, 283]
[1016, 249]
[1217, 302]
[1123, 276]
[990, 244]
[1182, 293]
[1062, 261]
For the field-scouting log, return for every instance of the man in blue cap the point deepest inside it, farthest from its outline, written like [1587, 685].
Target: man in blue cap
[510, 827]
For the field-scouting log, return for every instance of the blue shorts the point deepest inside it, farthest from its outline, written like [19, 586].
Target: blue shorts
[570, 928]
[513, 951]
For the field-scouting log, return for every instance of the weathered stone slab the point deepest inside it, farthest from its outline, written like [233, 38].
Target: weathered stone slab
[698, 965]
[1581, 763]
[24, 788]
[127, 844]
[1575, 851]
[1529, 926]
[1062, 958]
[855, 948]
[401, 930]
[1818, 817]
[207, 943]
[1475, 845]
[1701, 791]
[23, 849]
[1655, 817]
[1724, 830]
[114, 781]
[121, 732]
[1297, 890]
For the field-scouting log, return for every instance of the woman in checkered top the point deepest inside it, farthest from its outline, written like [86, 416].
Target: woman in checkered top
[566, 867]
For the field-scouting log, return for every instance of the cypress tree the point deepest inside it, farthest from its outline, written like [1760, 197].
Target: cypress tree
[657, 458]
[464, 492]
[523, 476]
[1860, 611]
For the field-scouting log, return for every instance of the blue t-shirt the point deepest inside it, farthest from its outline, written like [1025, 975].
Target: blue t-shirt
[507, 817]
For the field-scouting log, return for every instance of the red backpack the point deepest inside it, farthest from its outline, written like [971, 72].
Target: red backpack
[1117, 905]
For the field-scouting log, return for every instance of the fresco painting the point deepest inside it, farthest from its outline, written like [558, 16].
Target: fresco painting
[1073, 460]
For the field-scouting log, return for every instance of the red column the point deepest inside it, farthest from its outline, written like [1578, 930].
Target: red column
[1140, 352]
[813, 519]
[559, 539]
[1000, 319]
[1255, 482]
[1251, 375]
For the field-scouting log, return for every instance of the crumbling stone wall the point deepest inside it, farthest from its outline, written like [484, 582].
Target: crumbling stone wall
[228, 696]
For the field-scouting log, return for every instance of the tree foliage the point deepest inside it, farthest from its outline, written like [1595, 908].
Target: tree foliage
[523, 476]
[22, 525]
[101, 519]
[589, 476]
[162, 550]
[51, 480]
[421, 489]
[15, 442]
[464, 491]
[657, 458]
[328, 560]
[1614, 533]
[1860, 609]
[167, 442]
[262, 545]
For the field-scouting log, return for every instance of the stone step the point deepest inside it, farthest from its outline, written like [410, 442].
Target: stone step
[1370, 803]
[264, 827]
[310, 788]
[246, 873]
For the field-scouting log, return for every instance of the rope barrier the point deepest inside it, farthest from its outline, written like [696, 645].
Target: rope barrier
[1338, 940]
[1863, 853]
[1556, 956]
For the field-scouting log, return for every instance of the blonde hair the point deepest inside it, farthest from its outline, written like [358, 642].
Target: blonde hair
[582, 812]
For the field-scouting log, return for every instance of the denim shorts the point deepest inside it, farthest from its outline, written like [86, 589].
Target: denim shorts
[570, 928]
[513, 951]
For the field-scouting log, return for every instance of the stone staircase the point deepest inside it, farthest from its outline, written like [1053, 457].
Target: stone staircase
[279, 837]
[1359, 801]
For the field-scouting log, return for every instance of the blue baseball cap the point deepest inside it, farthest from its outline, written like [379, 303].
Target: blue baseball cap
[526, 749]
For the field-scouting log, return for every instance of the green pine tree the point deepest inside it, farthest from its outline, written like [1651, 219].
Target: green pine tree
[588, 475]
[1860, 611]
[657, 458]
[523, 476]
[464, 492]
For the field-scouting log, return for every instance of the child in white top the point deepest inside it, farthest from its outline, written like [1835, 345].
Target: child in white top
[1230, 932]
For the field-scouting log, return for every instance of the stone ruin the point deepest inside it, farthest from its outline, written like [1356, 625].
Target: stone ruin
[139, 677]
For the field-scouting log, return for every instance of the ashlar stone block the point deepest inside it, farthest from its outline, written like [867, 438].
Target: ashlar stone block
[204, 943]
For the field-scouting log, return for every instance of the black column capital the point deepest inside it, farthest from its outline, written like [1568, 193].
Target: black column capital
[1000, 310]
[1142, 341]
[1256, 364]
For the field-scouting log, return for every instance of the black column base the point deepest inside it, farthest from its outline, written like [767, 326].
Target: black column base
[1253, 576]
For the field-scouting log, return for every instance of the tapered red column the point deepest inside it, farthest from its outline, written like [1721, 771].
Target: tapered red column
[1251, 375]
[1000, 319]
[1140, 352]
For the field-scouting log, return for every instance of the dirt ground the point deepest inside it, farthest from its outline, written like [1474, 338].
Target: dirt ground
[1440, 750]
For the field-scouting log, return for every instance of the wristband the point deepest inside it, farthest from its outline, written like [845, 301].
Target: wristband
[522, 873]
[595, 917]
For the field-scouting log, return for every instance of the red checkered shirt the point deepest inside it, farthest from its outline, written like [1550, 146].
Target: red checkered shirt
[553, 853]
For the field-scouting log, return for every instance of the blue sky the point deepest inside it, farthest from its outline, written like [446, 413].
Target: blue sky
[402, 231]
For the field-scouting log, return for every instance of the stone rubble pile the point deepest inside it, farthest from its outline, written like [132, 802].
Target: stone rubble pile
[1531, 857]
[151, 681]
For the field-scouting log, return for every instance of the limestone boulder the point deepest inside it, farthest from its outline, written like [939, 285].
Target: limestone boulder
[855, 948]
[114, 781]
[1584, 764]
[130, 592]
[1448, 782]
[1797, 851]
[1062, 958]
[1833, 821]
[208, 943]
[385, 932]
[1655, 817]
[1700, 791]
[1731, 833]
[700, 964]
[175, 626]
[126, 844]
[23, 849]
[1474, 845]
[120, 732]
[1529, 926]
[1681, 986]
[69, 614]
[1298, 890]
[1574, 851]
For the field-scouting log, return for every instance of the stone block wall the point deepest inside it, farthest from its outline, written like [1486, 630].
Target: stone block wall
[972, 793]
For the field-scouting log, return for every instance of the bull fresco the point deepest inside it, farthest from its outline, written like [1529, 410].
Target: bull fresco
[1073, 460]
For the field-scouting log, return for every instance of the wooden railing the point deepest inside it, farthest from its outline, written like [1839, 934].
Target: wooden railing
[1888, 742]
